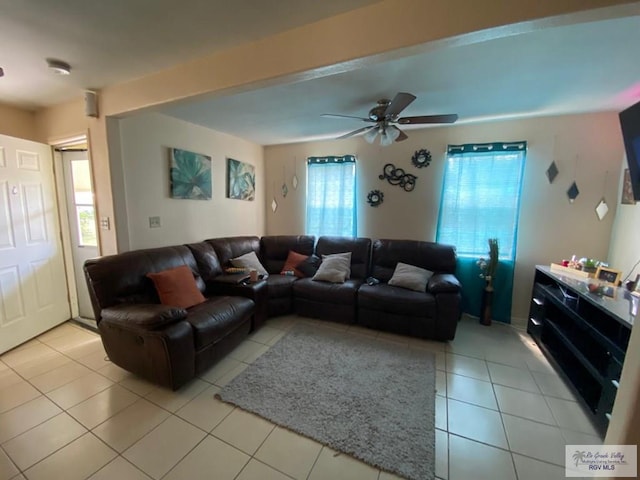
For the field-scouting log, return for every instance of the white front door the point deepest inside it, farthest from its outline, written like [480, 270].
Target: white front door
[82, 221]
[33, 285]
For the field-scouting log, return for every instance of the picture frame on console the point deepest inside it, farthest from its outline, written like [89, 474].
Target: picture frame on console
[608, 275]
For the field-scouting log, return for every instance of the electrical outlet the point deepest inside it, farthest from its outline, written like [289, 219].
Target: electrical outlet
[105, 224]
[154, 222]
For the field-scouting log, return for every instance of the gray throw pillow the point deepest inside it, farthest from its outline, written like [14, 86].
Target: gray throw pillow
[250, 261]
[334, 268]
[410, 277]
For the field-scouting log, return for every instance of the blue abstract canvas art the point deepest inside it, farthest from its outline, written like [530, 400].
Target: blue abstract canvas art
[190, 175]
[241, 180]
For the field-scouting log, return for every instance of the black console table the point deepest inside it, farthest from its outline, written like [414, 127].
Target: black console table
[584, 333]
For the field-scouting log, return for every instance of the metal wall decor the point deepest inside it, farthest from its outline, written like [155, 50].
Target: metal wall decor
[397, 176]
[274, 203]
[375, 198]
[422, 158]
[602, 208]
[552, 172]
[294, 179]
[285, 189]
[573, 191]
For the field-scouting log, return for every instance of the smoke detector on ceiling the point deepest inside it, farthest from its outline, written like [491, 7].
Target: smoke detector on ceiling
[58, 66]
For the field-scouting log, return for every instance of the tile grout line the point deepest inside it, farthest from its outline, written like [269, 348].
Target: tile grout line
[253, 457]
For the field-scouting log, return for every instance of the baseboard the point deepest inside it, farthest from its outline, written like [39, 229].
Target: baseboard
[519, 322]
[87, 323]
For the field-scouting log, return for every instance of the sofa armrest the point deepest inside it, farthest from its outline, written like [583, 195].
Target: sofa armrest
[144, 316]
[229, 279]
[443, 283]
[165, 356]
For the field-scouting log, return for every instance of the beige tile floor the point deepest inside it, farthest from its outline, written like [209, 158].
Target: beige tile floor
[66, 412]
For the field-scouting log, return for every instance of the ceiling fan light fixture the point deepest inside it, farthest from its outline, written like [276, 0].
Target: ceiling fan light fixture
[385, 138]
[58, 66]
[393, 132]
[371, 135]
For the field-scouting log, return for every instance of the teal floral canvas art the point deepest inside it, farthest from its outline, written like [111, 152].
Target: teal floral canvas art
[241, 180]
[190, 175]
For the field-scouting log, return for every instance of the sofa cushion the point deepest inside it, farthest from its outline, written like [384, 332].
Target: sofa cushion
[274, 249]
[360, 249]
[250, 261]
[396, 300]
[280, 285]
[121, 279]
[293, 259]
[206, 259]
[177, 287]
[334, 268]
[334, 293]
[231, 247]
[411, 277]
[431, 256]
[216, 318]
[310, 266]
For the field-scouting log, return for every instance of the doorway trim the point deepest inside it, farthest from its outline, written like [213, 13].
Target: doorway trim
[77, 141]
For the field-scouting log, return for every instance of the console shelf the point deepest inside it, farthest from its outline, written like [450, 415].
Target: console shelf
[585, 334]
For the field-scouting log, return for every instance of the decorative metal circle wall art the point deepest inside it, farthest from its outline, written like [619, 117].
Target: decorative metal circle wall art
[397, 176]
[422, 158]
[375, 198]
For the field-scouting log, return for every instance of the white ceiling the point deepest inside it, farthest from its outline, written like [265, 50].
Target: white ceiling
[573, 69]
[112, 41]
[570, 69]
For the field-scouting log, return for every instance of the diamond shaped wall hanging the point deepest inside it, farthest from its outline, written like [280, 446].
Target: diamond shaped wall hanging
[602, 209]
[573, 192]
[294, 182]
[552, 172]
[274, 205]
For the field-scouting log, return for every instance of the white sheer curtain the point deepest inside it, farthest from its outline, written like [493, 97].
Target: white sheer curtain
[331, 196]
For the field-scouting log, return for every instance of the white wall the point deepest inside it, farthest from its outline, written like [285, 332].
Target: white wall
[624, 252]
[550, 227]
[144, 184]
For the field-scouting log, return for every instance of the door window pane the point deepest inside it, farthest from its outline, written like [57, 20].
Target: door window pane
[86, 226]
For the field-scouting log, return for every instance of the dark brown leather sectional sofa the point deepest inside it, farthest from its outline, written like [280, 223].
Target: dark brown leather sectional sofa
[169, 345]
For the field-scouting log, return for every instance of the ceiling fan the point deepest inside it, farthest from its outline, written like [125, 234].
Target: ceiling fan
[385, 114]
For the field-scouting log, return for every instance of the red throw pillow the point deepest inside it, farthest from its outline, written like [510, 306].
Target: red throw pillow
[177, 287]
[293, 260]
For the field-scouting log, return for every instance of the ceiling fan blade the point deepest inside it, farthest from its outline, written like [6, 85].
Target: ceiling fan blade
[355, 132]
[332, 115]
[399, 103]
[428, 119]
[401, 135]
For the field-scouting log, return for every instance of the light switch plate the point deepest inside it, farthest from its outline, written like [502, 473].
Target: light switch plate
[154, 222]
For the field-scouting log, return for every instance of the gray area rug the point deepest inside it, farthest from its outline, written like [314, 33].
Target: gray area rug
[365, 397]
